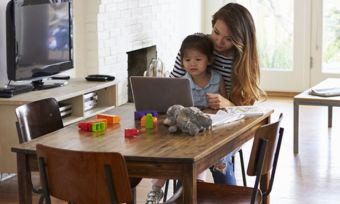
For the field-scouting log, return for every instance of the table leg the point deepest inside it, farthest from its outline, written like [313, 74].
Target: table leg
[189, 186]
[296, 127]
[24, 179]
[330, 116]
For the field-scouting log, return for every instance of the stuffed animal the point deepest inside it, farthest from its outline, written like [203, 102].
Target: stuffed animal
[189, 120]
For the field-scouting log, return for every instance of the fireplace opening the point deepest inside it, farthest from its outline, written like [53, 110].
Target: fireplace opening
[138, 61]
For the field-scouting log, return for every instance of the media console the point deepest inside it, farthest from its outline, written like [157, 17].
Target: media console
[75, 95]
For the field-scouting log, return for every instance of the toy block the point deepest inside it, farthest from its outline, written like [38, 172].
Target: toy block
[98, 125]
[111, 119]
[145, 124]
[148, 121]
[131, 132]
[140, 114]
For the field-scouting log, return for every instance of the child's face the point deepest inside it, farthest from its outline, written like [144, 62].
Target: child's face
[195, 62]
[222, 38]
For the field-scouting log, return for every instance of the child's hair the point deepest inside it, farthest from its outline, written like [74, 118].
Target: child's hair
[200, 42]
[246, 71]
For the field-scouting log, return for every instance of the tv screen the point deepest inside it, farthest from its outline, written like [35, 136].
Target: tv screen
[39, 38]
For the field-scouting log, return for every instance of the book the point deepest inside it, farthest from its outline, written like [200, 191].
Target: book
[90, 96]
[65, 113]
[88, 105]
[247, 111]
[64, 107]
[223, 117]
[325, 92]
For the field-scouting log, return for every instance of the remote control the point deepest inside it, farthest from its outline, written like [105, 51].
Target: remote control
[61, 77]
[99, 77]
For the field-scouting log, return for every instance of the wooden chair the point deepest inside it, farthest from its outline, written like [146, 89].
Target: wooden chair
[86, 178]
[263, 161]
[174, 181]
[36, 119]
[39, 118]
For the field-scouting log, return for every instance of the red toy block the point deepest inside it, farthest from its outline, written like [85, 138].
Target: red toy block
[131, 132]
[98, 125]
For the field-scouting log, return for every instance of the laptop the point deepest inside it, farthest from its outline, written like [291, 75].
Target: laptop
[158, 93]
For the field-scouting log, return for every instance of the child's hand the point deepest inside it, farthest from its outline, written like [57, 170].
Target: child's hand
[216, 101]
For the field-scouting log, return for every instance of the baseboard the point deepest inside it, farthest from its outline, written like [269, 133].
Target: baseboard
[281, 94]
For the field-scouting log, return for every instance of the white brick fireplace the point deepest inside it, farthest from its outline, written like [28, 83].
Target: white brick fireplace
[106, 30]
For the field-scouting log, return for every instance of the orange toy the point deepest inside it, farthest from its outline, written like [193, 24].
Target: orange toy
[111, 119]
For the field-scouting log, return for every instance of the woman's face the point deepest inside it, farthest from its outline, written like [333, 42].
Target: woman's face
[222, 38]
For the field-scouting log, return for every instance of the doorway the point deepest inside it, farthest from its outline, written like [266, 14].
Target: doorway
[297, 41]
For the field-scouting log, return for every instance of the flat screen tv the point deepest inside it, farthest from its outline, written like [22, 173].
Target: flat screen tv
[39, 39]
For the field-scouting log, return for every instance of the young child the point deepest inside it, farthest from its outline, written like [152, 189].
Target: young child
[196, 56]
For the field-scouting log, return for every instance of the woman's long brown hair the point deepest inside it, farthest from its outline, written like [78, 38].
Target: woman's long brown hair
[246, 69]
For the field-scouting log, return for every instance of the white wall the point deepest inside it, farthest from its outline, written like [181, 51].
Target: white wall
[210, 7]
[129, 25]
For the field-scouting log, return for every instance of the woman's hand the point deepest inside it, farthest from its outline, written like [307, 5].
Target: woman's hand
[216, 101]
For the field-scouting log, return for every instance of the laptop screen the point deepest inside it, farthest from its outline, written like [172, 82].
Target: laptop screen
[158, 93]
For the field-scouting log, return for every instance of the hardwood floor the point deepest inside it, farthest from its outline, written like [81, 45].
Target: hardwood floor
[312, 176]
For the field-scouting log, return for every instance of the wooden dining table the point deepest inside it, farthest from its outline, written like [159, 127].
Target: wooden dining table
[154, 153]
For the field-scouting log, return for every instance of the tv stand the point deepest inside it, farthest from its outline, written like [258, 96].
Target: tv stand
[74, 96]
[41, 85]
[12, 90]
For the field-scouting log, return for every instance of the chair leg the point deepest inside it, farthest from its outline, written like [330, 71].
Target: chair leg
[175, 187]
[233, 161]
[242, 167]
[40, 192]
[166, 188]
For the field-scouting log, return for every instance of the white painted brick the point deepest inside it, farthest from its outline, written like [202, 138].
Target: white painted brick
[108, 61]
[126, 14]
[127, 25]
[133, 4]
[122, 5]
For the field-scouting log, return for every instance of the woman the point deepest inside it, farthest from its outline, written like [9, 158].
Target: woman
[236, 59]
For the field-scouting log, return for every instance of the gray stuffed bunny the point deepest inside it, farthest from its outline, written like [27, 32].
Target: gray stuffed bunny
[189, 120]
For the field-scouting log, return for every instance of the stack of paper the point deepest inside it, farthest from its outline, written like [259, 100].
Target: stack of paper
[325, 92]
[223, 117]
[247, 111]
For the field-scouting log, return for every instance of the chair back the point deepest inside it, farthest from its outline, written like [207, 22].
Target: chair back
[265, 153]
[38, 118]
[269, 132]
[83, 177]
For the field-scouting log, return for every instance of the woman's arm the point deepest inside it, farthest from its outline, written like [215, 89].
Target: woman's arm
[222, 89]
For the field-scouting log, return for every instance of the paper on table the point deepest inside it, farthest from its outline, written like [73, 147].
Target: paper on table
[223, 117]
[325, 92]
[247, 111]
